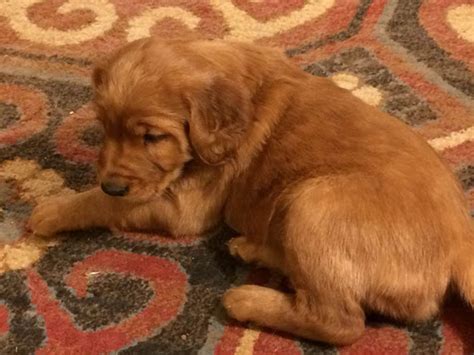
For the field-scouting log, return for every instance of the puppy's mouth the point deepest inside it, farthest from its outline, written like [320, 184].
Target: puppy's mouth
[115, 189]
[138, 189]
[133, 192]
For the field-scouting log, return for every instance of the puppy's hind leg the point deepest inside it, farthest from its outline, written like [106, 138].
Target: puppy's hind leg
[325, 306]
[300, 314]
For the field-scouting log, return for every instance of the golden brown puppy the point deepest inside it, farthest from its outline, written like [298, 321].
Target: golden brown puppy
[351, 205]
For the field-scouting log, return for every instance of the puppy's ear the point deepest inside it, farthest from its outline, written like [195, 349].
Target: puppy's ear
[220, 115]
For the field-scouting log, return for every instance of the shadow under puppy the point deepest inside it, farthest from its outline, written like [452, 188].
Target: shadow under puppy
[346, 201]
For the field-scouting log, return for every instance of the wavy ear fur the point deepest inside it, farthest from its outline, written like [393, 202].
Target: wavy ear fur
[220, 115]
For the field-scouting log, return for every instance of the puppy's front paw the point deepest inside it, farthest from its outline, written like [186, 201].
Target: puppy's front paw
[51, 216]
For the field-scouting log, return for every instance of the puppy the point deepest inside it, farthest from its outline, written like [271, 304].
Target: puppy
[351, 205]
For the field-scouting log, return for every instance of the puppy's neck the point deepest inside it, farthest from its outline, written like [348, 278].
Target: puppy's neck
[271, 101]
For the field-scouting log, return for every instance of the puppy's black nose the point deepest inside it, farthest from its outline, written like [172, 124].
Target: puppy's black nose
[114, 189]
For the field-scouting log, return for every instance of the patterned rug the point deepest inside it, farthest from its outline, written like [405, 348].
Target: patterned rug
[99, 292]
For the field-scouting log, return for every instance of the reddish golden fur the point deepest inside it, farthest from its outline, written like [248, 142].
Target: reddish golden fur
[352, 206]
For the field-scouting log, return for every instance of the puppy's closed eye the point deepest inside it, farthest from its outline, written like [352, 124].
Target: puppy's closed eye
[149, 138]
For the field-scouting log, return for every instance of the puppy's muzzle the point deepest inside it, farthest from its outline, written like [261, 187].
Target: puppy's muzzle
[114, 188]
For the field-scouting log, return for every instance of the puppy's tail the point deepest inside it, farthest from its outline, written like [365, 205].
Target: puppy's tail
[464, 271]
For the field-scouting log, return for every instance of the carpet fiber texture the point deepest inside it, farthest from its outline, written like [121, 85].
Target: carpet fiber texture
[99, 292]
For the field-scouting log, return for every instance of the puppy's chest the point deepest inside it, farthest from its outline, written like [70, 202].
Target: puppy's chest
[249, 206]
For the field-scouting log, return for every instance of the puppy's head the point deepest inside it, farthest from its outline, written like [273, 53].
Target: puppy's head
[161, 106]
